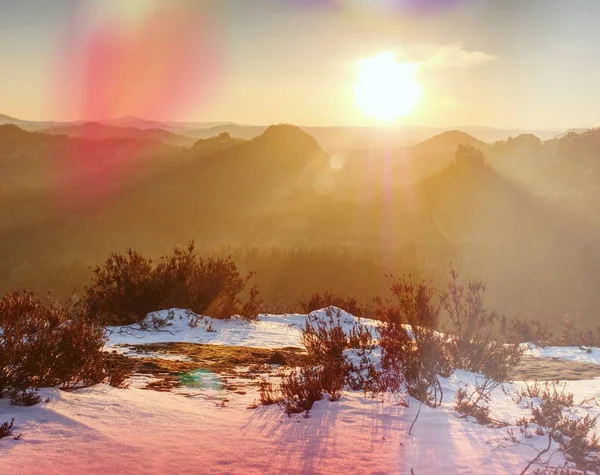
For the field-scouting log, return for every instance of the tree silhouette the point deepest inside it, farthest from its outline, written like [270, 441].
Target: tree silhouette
[468, 156]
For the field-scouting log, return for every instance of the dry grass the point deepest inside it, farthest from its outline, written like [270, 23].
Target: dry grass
[215, 358]
[222, 359]
[545, 369]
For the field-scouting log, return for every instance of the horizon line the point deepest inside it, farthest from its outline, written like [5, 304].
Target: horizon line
[245, 124]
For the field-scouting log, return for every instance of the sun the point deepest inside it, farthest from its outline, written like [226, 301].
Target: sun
[386, 89]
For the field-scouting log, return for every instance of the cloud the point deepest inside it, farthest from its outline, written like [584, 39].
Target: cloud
[456, 56]
[448, 56]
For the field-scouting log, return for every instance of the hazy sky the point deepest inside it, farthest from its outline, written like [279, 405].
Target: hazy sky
[503, 63]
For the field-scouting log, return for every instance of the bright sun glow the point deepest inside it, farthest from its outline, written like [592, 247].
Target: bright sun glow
[386, 89]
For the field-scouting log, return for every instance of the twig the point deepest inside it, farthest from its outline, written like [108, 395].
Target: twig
[413, 423]
[539, 455]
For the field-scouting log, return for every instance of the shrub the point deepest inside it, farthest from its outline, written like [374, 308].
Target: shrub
[23, 397]
[518, 330]
[300, 390]
[129, 286]
[43, 344]
[476, 346]
[556, 471]
[413, 353]
[360, 338]
[551, 410]
[119, 377]
[348, 303]
[475, 403]
[466, 406]
[474, 343]
[324, 339]
[326, 368]
[268, 394]
[6, 428]
[573, 336]
[124, 289]
[333, 378]
[326, 342]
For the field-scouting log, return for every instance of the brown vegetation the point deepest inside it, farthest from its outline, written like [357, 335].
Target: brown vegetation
[44, 344]
[413, 353]
[219, 358]
[551, 411]
[129, 286]
[6, 428]
[346, 302]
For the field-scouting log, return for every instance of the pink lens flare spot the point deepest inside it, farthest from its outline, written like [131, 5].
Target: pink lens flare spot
[398, 6]
[159, 65]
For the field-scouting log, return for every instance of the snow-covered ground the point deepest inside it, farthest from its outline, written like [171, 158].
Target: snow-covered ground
[270, 331]
[198, 430]
[569, 353]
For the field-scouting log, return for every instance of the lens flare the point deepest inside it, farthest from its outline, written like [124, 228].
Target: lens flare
[395, 6]
[152, 59]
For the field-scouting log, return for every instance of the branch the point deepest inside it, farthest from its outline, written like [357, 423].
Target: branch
[539, 455]
[413, 423]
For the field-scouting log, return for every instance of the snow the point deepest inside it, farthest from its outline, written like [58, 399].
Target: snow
[270, 331]
[570, 353]
[164, 433]
[106, 430]
[207, 427]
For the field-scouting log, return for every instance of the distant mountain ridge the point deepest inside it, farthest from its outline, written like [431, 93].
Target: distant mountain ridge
[329, 137]
[448, 142]
[99, 131]
[282, 189]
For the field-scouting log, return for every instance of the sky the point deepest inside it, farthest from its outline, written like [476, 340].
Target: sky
[527, 64]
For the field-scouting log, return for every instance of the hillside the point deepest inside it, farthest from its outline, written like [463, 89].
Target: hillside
[25, 154]
[98, 131]
[340, 139]
[499, 230]
[422, 208]
[25, 124]
[5, 119]
[447, 142]
[330, 138]
[159, 198]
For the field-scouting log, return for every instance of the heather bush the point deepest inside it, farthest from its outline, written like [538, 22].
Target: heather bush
[519, 330]
[326, 370]
[552, 413]
[44, 344]
[465, 405]
[326, 343]
[129, 286]
[6, 428]
[23, 397]
[124, 289]
[300, 390]
[360, 339]
[474, 342]
[268, 394]
[475, 345]
[574, 336]
[324, 339]
[413, 352]
[348, 303]
[119, 377]
[557, 471]
[565, 333]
